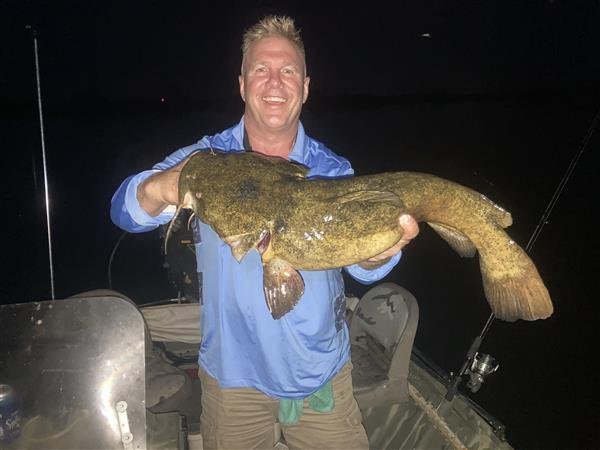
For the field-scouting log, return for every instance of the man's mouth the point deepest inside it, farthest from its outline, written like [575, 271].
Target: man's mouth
[274, 99]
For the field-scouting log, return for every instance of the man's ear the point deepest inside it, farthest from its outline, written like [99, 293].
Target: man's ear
[306, 84]
[241, 82]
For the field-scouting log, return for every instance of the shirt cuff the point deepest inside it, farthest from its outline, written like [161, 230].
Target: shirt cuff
[370, 276]
[136, 212]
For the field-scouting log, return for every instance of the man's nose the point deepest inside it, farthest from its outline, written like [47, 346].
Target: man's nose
[274, 79]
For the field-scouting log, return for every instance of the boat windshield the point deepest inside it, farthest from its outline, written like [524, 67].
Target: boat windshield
[74, 370]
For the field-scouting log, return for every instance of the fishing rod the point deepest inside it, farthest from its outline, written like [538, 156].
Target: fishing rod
[34, 34]
[481, 365]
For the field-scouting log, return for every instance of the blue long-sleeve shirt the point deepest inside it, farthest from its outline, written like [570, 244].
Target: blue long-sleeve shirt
[242, 345]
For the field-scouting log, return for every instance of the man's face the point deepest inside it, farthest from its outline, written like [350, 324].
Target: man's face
[273, 84]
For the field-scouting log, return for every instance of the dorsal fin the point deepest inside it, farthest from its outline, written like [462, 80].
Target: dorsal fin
[371, 196]
[285, 166]
[459, 242]
[499, 215]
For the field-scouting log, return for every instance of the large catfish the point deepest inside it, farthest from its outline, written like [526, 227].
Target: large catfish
[296, 223]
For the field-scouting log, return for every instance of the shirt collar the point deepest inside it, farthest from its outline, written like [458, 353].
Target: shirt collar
[298, 152]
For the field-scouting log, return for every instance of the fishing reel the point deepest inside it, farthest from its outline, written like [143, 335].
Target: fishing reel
[481, 366]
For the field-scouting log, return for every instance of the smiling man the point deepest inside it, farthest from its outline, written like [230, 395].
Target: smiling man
[274, 86]
[256, 370]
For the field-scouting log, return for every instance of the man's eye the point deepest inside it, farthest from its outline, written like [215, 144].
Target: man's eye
[288, 71]
[261, 69]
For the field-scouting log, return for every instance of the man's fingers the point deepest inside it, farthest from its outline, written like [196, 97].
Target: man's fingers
[411, 230]
[410, 227]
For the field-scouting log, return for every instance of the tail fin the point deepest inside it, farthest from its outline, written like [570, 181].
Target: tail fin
[513, 286]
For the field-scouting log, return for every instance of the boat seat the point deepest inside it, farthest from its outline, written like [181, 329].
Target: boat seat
[382, 331]
[166, 385]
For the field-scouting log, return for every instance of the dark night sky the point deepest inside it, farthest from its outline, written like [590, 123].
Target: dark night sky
[497, 95]
[122, 50]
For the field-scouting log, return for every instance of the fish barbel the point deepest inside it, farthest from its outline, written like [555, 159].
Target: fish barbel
[257, 202]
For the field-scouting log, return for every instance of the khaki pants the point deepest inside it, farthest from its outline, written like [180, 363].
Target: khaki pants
[244, 418]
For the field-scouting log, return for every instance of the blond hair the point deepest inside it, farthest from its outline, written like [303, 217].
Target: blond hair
[273, 26]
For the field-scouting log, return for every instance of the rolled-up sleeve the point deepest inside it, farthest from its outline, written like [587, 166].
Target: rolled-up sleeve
[370, 276]
[126, 212]
[125, 209]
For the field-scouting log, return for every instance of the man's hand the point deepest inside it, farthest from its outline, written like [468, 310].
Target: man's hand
[411, 230]
[160, 190]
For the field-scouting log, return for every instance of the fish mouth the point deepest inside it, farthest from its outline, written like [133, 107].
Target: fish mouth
[188, 200]
[264, 241]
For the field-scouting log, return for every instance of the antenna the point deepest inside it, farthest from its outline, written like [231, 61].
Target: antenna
[34, 33]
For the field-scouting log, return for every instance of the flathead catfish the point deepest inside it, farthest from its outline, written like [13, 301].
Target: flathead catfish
[295, 223]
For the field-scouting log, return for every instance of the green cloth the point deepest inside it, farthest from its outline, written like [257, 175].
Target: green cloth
[290, 410]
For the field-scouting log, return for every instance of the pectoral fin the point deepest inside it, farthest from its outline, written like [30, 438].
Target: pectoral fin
[460, 243]
[283, 286]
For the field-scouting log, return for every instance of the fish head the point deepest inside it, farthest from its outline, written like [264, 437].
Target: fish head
[195, 179]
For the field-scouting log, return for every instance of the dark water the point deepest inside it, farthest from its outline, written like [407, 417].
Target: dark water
[514, 150]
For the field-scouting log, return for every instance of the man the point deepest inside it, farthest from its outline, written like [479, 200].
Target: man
[255, 369]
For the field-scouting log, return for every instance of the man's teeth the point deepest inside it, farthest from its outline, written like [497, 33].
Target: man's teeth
[275, 99]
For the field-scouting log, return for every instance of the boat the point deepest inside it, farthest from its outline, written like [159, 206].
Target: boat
[96, 370]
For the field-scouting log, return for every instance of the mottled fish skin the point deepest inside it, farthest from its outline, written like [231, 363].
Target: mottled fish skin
[264, 203]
